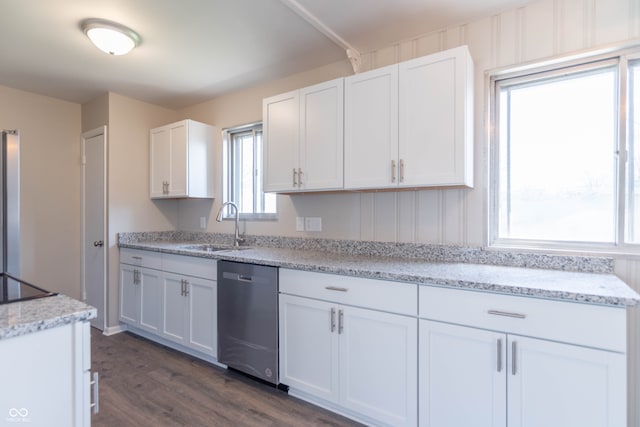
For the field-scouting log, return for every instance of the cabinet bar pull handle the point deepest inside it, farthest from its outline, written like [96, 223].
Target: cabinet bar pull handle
[186, 288]
[137, 257]
[299, 177]
[514, 357]
[340, 321]
[401, 170]
[182, 287]
[96, 394]
[499, 355]
[335, 288]
[393, 171]
[507, 314]
[333, 319]
[295, 174]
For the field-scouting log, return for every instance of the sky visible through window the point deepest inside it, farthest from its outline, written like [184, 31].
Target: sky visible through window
[558, 137]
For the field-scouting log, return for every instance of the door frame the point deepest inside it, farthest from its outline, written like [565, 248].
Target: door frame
[84, 137]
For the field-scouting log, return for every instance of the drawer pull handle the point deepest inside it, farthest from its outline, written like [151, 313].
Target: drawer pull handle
[507, 314]
[335, 288]
[137, 257]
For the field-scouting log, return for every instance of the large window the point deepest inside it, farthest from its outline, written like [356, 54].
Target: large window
[564, 170]
[243, 173]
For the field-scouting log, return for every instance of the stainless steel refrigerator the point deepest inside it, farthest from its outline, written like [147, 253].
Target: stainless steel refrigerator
[10, 203]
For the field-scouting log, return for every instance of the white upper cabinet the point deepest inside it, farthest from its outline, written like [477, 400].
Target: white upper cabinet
[436, 120]
[371, 129]
[303, 137]
[281, 130]
[411, 124]
[181, 160]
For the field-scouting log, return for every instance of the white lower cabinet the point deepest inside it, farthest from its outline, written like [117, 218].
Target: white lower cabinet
[559, 384]
[189, 312]
[171, 299]
[359, 361]
[141, 297]
[499, 377]
[462, 376]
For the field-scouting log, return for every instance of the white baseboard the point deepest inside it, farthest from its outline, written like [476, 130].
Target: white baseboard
[112, 330]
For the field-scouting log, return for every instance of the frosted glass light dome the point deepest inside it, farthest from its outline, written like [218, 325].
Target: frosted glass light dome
[110, 37]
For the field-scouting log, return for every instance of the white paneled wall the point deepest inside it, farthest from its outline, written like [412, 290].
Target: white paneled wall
[542, 29]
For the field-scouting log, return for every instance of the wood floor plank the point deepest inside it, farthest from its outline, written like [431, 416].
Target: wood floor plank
[145, 384]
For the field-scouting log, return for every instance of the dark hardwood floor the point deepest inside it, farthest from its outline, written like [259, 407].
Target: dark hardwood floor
[146, 384]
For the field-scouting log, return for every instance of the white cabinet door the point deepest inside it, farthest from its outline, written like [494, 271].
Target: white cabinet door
[436, 140]
[378, 365]
[129, 301]
[308, 347]
[555, 384]
[203, 319]
[321, 136]
[178, 160]
[150, 290]
[462, 376]
[371, 129]
[280, 123]
[159, 161]
[174, 308]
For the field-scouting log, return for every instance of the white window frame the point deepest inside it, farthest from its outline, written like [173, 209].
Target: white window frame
[228, 169]
[622, 54]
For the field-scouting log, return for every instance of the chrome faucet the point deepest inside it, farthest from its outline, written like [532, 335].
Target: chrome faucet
[237, 238]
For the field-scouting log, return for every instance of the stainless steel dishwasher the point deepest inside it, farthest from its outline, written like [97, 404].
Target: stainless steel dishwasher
[248, 319]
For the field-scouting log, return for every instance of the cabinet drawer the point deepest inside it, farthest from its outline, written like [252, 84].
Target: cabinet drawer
[576, 323]
[396, 297]
[140, 258]
[190, 266]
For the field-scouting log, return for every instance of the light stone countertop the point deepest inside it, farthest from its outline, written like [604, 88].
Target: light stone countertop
[592, 288]
[26, 317]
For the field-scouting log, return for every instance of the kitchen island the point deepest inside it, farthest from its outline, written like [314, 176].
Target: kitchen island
[46, 357]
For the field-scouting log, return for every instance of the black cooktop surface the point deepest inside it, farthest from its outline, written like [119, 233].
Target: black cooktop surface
[13, 289]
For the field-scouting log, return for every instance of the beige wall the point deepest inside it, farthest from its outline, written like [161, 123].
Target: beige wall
[49, 187]
[130, 208]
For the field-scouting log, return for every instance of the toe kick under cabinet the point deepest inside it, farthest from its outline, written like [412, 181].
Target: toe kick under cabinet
[171, 299]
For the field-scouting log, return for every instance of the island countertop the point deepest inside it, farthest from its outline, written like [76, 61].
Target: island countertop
[571, 286]
[25, 317]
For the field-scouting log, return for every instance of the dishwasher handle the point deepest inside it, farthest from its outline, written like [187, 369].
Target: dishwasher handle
[239, 277]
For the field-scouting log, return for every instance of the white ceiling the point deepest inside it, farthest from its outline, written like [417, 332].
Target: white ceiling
[195, 50]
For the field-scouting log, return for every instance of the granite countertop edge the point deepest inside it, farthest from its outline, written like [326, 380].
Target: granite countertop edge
[591, 288]
[26, 317]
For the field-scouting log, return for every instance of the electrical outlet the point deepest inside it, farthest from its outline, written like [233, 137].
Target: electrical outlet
[203, 222]
[299, 223]
[313, 224]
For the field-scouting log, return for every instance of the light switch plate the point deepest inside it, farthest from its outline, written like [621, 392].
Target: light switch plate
[313, 223]
[203, 222]
[299, 223]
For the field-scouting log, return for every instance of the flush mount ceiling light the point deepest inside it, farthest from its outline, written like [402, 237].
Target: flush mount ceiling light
[110, 37]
